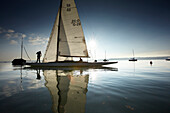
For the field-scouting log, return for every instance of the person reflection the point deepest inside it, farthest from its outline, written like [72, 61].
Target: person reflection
[38, 74]
[81, 71]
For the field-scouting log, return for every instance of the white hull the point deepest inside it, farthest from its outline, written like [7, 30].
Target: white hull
[70, 64]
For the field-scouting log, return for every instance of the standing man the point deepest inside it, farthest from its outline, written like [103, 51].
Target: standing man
[38, 56]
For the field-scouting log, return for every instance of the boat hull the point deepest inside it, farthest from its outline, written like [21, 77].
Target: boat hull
[19, 62]
[168, 59]
[133, 60]
[70, 64]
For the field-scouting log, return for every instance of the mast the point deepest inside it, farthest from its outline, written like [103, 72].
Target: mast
[58, 38]
[21, 47]
[133, 53]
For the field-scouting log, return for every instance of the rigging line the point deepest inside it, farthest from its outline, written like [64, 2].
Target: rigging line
[27, 54]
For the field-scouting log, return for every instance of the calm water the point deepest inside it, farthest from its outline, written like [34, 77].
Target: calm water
[126, 87]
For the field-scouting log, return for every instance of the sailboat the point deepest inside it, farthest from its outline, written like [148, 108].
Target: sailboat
[20, 61]
[133, 59]
[67, 40]
[168, 59]
[105, 60]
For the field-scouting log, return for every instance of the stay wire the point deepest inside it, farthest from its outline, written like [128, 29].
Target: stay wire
[27, 54]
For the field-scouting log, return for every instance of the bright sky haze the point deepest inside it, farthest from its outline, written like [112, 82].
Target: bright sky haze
[114, 26]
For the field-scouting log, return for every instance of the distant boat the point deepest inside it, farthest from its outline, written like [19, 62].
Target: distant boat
[168, 59]
[105, 60]
[20, 61]
[67, 40]
[133, 59]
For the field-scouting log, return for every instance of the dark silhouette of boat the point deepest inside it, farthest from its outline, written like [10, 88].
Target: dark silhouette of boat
[105, 60]
[20, 61]
[168, 59]
[133, 59]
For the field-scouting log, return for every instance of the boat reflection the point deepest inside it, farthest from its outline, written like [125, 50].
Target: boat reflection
[68, 90]
[67, 87]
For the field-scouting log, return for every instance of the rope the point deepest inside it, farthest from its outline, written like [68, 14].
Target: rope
[27, 54]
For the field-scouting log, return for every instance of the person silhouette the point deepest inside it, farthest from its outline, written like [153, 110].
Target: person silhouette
[38, 74]
[38, 56]
[80, 60]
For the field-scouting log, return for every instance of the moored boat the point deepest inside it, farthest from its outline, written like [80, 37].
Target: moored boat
[168, 59]
[20, 61]
[133, 59]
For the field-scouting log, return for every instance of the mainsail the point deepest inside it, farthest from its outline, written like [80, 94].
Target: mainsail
[71, 38]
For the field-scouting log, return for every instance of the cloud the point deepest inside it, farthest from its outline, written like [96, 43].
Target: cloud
[13, 42]
[11, 31]
[8, 35]
[2, 30]
[37, 40]
[23, 35]
[14, 35]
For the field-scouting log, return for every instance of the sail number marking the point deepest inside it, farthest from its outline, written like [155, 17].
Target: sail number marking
[76, 22]
[68, 7]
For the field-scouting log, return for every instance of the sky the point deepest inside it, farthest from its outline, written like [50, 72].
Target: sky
[114, 26]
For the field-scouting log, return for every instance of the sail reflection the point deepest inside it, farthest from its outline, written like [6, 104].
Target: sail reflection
[68, 90]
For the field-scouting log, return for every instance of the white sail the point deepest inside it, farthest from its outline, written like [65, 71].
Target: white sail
[71, 38]
[73, 31]
[51, 51]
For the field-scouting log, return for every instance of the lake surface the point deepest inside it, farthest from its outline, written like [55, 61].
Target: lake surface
[126, 87]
